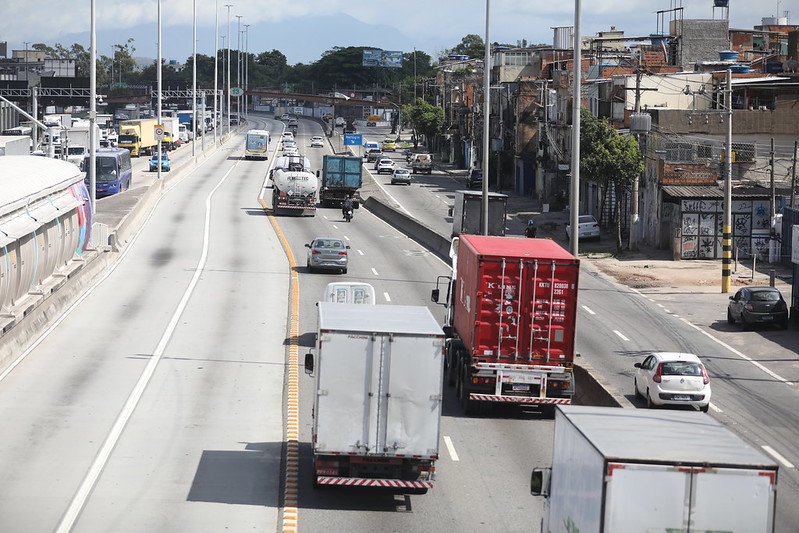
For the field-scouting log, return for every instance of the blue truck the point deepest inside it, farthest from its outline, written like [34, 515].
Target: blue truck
[341, 177]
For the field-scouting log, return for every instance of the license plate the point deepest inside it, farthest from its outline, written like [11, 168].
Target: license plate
[768, 317]
[521, 377]
[680, 397]
[521, 387]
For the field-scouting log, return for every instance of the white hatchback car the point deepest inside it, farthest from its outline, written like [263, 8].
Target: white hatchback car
[587, 226]
[317, 142]
[672, 378]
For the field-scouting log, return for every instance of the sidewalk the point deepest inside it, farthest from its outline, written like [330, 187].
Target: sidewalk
[646, 268]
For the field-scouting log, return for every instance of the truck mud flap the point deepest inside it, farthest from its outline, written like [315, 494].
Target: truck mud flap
[518, 399]
[366, 482]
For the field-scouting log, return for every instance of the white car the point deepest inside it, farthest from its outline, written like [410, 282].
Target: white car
[401, 175]
[287, 135]
[290, 150]
[317, 142]
[587, 228]
[385, 165]
[672, 378]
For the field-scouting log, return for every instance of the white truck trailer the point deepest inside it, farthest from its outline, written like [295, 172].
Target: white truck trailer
[633, 471]
[377, 411]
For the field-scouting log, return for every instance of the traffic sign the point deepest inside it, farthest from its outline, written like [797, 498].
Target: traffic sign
[353, 139]
[236, 91]
[159, 132]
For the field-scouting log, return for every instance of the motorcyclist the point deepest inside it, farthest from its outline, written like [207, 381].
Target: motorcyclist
[531, 230]
[347, 206]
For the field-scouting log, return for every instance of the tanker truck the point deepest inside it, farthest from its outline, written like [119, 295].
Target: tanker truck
[294, 192]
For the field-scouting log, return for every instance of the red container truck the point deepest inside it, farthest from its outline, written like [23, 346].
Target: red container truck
[511, 313]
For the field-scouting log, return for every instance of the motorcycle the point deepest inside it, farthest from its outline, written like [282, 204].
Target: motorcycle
[348, 215]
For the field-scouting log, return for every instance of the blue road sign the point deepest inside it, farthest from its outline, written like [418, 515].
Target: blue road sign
[353, 139]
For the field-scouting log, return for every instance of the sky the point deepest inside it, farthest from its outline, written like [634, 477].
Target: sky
[304, 29]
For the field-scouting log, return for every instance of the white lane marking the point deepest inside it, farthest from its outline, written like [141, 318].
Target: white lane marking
[739, 354]
[776, 455]
[661, 306]
[335, 227]
[667, 311]
[715, 407]
[451, 448]
[375, 272]
[621, 335]
[86, 487]
[346, 238]
[386, 296]
[588, 309]
[359, 251]
[324, 216]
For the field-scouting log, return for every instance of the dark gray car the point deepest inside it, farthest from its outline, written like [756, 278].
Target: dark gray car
[327, 253]
[758, 305]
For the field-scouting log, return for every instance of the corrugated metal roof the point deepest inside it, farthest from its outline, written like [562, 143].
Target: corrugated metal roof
[714, 191]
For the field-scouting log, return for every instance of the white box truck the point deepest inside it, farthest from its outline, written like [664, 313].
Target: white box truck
[641, 471]
[377, 412]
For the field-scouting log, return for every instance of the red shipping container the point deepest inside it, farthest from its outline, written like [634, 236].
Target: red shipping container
[516, 300]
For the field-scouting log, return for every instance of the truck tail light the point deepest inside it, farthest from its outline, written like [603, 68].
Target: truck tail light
[658, 377]
[705, 379]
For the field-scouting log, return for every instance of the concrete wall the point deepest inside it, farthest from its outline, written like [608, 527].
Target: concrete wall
[699, 40]
[781, 121]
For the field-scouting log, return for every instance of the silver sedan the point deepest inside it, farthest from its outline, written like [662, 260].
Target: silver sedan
[327, 253]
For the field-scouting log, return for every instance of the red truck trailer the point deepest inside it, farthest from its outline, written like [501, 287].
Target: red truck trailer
[511, 313]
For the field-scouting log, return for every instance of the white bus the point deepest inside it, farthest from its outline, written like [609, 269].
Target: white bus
[257, 146]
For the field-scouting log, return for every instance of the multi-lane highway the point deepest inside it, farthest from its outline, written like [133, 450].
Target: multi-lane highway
[157, 402]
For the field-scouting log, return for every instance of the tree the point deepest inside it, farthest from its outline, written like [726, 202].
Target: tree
[472, 45]
[424, 118]
[608, 159]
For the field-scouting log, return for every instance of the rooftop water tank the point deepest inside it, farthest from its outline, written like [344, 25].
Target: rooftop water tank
[739, 69]
[728, 55]
[721, 3]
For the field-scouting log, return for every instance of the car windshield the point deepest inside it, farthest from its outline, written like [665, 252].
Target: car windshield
[765, 296]
[681, 368]
[586, 220]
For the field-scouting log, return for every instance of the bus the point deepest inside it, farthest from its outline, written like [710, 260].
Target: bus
[257, 144]
[113, 170]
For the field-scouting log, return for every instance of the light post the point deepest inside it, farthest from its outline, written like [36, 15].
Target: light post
[92, 105]
[486, 108]
[194, 72]
[246, 68]
[238, 66]
[228, 66]
[575, 159]
[216, 61]
[160, 144]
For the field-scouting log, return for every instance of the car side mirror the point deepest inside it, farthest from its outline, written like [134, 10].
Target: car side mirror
[539, 481]
[435, 295]
[637, 365]
[307, 245]
[348, 247]
[732, 297]
[309, 364]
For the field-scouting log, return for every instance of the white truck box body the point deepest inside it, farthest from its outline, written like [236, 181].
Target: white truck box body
[379, 380]
[631, 471]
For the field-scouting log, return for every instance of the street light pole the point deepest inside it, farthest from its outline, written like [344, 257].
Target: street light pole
[92, 106]
[246, 68]
[228, 66]
[575, 159]
[194, 73]
[216, 62]
[486, 109]
[238, 66]
[726, 237]
[160, 144]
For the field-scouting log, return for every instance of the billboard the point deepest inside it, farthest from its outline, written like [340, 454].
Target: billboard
[382, 58]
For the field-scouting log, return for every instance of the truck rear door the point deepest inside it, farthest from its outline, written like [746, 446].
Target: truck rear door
[729, 499]
[346, 407]
[411, 395]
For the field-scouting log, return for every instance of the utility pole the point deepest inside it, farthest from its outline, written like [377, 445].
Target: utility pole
[486, 111]
[771, 207]
[238, 67]
[793, 175]
[574, 189]
[634, 201]
[193, 72]
[246, 67]
[726, 237]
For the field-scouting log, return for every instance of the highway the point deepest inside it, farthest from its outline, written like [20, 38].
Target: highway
[157, 403]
